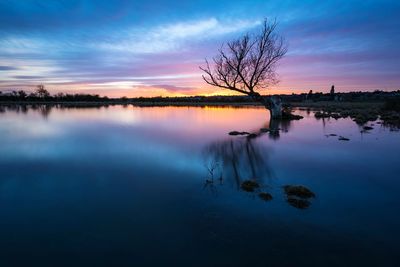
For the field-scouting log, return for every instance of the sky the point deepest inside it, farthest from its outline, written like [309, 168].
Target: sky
[154, 48]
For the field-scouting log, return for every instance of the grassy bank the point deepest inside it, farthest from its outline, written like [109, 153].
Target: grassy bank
[388, 112]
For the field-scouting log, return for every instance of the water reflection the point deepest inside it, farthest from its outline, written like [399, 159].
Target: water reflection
[14, 108]
[45, 109]
[244, 162]
[238, 159]
[275, 126]
[125, 183]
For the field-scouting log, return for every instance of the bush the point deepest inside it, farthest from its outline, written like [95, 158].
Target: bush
[392, 104]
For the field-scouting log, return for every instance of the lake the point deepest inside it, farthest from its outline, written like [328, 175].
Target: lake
[161, 186]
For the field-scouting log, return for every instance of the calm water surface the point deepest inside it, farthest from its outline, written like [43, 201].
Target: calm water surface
[126, 186]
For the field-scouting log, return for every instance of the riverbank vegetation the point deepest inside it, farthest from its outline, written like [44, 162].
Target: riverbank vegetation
[387, 111]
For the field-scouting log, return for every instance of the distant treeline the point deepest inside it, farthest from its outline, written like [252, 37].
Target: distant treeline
[313, 97]
[43, 95]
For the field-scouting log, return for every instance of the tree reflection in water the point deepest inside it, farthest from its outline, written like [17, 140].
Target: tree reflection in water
[43, 109]
[275, 127]
[242, 159]
[238, 158]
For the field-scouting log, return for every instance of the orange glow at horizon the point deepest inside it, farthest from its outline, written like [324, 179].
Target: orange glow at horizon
[179, 85]
[154, 91]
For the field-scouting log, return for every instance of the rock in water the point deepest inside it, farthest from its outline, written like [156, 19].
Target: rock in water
[238, 133]
[234, 133]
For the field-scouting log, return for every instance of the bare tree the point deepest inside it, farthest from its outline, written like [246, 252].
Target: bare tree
[248, 65]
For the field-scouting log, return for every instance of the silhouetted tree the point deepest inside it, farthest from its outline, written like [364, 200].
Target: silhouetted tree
[42, 92]
[332, 90]
[32, 95]
[309, 96]
[60, 95]
[22, 94]
[248, 64]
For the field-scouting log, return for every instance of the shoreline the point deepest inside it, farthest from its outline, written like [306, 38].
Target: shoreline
[125, 103]
[314, 105]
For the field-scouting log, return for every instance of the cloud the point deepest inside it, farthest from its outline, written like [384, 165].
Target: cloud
[27, 77]
[5, 68]
[172, 37]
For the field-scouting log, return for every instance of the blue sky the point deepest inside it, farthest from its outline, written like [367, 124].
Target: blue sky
[138, 48]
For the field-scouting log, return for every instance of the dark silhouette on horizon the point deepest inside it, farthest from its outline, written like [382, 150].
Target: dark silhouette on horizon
[42, 95]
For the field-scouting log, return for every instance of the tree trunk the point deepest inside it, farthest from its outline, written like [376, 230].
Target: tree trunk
[273, 104]
[275, 107]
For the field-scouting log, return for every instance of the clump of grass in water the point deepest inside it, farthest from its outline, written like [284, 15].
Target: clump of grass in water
[392, 104]
[360, 114]
[298, 190]
[299, 203]
[265, 196]
[298, 196]
[249, 185]
[391, 114]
